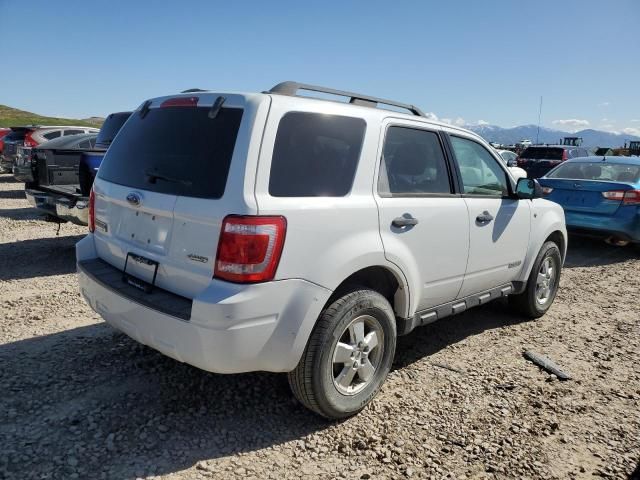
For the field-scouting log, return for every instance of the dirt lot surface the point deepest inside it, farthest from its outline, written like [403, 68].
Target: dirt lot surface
[80, 400]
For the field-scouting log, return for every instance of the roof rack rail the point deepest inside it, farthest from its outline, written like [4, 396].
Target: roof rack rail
[291, 89]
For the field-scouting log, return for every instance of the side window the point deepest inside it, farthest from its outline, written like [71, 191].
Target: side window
[413, 162]
[315, 155]
[481, 173]
[72, 132]
[52, 135]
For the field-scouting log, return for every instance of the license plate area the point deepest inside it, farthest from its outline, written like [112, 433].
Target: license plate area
[148, 230]
[146, 271]
[575, 198]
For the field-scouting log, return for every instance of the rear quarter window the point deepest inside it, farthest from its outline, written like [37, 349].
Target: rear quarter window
[315, 155]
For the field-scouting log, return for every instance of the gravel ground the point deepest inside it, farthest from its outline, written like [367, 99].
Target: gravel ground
[79, 400]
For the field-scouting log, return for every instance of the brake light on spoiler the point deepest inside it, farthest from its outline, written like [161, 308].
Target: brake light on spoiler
[628, 197]
[249, 248]
[180, 102]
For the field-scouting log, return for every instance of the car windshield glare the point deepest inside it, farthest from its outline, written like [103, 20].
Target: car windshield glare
[602, 171]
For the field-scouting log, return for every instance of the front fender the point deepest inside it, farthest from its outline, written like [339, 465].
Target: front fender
[546, 218]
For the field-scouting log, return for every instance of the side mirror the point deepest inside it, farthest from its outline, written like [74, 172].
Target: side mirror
[528, 188]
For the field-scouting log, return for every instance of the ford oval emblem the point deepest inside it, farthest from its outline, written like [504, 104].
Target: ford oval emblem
[134, 199]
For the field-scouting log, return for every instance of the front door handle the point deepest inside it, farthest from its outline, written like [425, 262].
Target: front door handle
[484, 217]
[405, 221]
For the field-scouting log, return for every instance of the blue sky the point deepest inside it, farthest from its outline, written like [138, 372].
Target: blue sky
[465, 61]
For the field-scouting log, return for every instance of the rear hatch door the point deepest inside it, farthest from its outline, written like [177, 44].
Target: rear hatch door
[160, 190]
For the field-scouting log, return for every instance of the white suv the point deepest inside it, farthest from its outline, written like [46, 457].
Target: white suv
[272, 231]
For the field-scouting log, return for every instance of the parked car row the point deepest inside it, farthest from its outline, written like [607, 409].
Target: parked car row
[58, 164]
[19, 140]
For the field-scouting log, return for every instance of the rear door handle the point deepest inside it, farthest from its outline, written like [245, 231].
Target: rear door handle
[405, 221]
[484, 217]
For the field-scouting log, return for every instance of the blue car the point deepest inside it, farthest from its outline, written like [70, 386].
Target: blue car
[600, 196]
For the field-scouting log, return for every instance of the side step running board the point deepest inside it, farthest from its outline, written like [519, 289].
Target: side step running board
[425, 317]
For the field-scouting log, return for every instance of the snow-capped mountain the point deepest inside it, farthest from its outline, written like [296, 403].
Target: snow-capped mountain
[508, 136]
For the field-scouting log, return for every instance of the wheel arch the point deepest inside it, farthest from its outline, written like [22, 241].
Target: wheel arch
[559, 239]
[388, 282]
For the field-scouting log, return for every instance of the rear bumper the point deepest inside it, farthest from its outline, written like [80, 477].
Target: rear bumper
[231, 329]
[72, 210]
[43, 201]
[23, 173]
[627, 228]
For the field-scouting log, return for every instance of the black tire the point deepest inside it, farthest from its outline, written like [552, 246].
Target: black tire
[312, 381]
[526, 302]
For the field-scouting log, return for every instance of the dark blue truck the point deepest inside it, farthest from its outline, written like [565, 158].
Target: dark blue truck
[58, 181]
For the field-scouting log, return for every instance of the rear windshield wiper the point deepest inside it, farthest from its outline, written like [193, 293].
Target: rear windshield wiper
[152, 177]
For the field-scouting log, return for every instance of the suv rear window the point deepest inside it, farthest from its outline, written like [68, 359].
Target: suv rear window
[110, 128]
[315, 155]
[174, 150]
[542, 153]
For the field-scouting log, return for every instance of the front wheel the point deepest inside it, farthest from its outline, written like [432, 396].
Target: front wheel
[542, 285]
[348, 355]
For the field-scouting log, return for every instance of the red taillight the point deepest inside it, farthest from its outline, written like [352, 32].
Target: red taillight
[628, 197]
[520, 161]
[29, 141]
[249, 248]
[92, 211]
[564, 155]
[180, 102]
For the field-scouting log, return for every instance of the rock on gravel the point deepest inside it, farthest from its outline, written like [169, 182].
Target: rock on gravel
[80, 400]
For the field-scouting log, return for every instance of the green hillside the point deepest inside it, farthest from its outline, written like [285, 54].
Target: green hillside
[10, 117]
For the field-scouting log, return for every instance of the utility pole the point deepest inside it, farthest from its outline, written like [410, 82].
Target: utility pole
[539, 117]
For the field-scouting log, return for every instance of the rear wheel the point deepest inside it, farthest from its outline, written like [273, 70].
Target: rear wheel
[348, 356]
[542, 285]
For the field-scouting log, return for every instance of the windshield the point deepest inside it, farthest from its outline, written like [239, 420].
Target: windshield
[174, 150]
[608, 172]
[542, 153]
